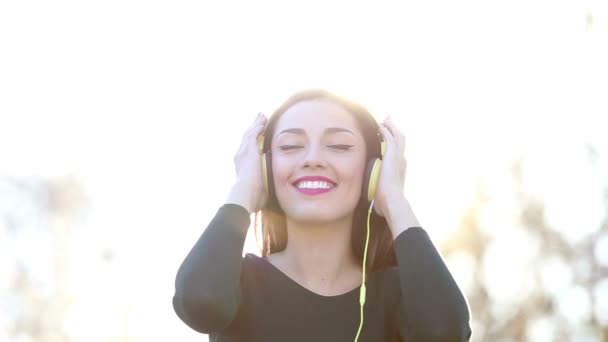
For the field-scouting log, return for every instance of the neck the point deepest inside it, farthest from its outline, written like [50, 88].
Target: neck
[320, 254]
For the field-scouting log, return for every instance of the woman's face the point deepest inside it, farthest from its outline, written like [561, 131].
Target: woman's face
[318, 161]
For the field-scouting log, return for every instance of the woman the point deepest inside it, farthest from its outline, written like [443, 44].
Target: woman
[313, 201]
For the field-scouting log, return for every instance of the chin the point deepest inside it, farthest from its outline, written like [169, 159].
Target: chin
[324, 208]
[316, 213]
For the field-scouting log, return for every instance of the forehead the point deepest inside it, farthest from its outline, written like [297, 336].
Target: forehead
[315, 115]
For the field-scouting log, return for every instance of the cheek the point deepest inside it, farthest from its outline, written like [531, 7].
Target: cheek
[353, 172]
[281, 169]
[348, 170]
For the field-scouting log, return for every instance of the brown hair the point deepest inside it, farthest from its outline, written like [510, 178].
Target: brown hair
[273, 222]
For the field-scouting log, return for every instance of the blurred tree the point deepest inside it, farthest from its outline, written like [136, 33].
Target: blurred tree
[560, 302]
[39, 219]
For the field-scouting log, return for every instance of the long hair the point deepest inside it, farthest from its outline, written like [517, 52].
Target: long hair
[272, 222]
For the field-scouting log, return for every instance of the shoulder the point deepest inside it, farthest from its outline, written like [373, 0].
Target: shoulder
[255, 267]
[387, 278]
[385, 284]
[258, 278]
[254, 261]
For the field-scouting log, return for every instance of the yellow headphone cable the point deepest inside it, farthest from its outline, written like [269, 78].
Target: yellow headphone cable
[363, 289]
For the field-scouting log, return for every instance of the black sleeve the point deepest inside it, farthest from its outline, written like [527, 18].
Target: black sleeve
[207, 286]
[432, 306]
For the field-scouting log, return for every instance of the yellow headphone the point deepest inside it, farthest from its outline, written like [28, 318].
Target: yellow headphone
[370, 184]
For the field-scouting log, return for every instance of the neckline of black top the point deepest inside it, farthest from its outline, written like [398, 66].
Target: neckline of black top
[351, 294]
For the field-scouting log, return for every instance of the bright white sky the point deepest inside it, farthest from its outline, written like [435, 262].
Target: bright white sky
[145, 103]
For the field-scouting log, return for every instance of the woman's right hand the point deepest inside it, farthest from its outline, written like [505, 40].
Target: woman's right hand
[248, 191]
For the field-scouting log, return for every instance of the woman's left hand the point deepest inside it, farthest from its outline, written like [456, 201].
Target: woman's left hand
[392, 172]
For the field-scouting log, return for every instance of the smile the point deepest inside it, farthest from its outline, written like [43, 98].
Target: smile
[314, 187]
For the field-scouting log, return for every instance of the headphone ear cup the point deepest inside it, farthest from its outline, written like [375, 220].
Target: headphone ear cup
[370, 181]
[266, 159]
[267, 177]
[266, 172]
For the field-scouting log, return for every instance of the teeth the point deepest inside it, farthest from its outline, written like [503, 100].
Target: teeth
[314, 185]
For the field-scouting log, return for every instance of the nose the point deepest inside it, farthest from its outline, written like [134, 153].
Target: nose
[314, 157]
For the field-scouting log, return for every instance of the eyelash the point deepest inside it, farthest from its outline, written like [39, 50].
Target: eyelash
[342, 147]
[291, 147]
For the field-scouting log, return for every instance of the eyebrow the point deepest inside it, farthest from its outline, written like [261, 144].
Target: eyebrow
[328, 130]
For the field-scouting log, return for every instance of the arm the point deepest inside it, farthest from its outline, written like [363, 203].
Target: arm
[432, 308]
[207, 286]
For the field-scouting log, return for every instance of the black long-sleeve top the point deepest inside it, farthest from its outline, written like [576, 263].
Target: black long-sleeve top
[234, 298]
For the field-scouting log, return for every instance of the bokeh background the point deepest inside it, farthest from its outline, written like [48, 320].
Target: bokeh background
[119, 121]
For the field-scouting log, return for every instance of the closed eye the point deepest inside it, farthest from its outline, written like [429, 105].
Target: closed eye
[341, 147]
[293, 147]
[289, 147]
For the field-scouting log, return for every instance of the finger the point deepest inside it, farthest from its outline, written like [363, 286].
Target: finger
[251, 134]
[401, 143]
[258, 119]
[399, 136]
[255, 130]
[386, 134]
[387, 122]
[392, 127]
[400, 139]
